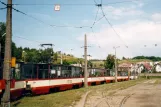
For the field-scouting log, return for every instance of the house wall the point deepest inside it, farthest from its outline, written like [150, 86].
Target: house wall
[158, 68]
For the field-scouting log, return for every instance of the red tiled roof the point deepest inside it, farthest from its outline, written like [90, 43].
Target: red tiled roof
[147, 66]
[125, 65]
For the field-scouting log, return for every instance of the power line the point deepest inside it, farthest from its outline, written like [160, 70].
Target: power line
[124, 1]
[3, 3]
[112, 27]
[27, 39]
[99, 19]
[18, 4]
[51, 25]
[95, 1]
[46, 23]
[95, 17]
[2, 8]
[96, 37]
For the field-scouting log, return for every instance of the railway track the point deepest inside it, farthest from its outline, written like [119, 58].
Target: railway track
[125, 99]
[101, 100]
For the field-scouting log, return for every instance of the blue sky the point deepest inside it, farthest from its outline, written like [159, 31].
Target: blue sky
[131, 20]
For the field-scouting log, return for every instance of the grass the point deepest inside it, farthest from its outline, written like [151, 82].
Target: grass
[150, 77]
[59, 99]
[110, 89]
[134, 60]
[98, 63]
[68, 98]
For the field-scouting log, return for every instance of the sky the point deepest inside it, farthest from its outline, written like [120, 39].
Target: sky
[135, 26]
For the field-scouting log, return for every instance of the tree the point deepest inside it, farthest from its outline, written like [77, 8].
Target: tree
[123, 58]
[153, 58]
[89, 64]
[101, 65]
[65, 62]
[2, 41]
[109, 62]
[55, 56]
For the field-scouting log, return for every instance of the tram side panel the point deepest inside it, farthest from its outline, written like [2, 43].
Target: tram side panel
[109, 79]
[18, 89]
[2, 87]
[65, 84]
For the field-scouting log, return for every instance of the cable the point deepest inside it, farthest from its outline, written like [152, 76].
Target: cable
[27, 39]
[112, 27]
[2, 8]
[95, 2]
[46, 23]
[43, 21]
[96, 37]
[95, 17]
[77, 4]
[124, 1]
[3, 3]
[99, 19]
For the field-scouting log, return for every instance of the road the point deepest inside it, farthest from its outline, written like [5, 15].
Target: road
[145, 94]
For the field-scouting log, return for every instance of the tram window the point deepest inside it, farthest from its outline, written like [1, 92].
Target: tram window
[43, 72]
[73, 72]
[77, 73]
[53, 71]
[27, 71]
[66, 71]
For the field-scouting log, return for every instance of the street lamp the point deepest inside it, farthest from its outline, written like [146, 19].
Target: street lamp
[116, 63]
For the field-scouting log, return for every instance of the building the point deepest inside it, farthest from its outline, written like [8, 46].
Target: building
[124, 68]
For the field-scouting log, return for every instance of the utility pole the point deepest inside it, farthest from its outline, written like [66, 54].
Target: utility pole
[85, 57]
[7, 56]
[116, 64]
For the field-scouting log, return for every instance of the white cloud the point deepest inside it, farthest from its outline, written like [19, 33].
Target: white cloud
[123, 11]
[140, 4]
[117, 13]
[156, 17]
[135, 33]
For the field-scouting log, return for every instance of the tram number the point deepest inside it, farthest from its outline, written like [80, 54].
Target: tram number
[69, 81]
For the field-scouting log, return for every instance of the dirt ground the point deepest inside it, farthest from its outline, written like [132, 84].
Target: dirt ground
[145, 94]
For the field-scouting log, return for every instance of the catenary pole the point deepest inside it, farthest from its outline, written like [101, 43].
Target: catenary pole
[85, 57]
[7, 56]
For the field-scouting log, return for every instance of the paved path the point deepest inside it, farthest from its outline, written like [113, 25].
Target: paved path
[146, 94]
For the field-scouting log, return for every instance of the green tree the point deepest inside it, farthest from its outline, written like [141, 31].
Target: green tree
[90, 64]
[55, 57]
[153, 58]
[65, 62]
[109, 62]
[2, 41]
[101, 65]
[123, 58]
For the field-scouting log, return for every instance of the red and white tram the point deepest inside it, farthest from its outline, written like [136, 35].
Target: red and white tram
[39, 79]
